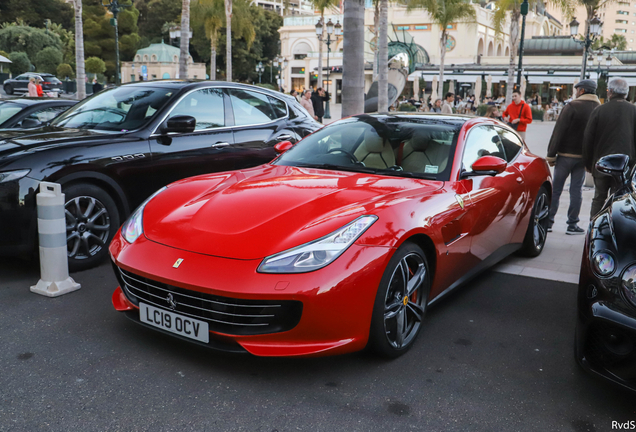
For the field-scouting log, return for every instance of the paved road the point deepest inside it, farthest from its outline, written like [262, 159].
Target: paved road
[494, 356]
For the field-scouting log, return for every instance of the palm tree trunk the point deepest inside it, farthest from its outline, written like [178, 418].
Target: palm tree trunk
[228, 44]
[383, 54]
[80, 73]
[442, 57]
[213, 57]
[185, 40]
[590, 14]
[514, 36]
[353, 58]
[320, 47]
[376, 28]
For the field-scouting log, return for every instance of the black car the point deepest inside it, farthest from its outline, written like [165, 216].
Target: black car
[20, 84]
[606, 324]
[114, 149]
[26, 113]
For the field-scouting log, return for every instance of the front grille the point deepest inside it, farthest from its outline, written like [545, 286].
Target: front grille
[223, 314]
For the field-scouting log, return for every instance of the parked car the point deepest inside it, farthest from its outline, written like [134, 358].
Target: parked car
[606, 324]
[19, 84]
[114, 149]
[28, 113]
[341, 242]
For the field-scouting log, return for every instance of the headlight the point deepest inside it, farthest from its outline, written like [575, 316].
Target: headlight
[133, 227]
[604, 263]
[8, 176]
[629, 283]
[318, 253]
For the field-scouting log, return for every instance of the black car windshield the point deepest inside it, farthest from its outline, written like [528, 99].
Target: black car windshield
[8, 110]
[406, 146]
[119, 109]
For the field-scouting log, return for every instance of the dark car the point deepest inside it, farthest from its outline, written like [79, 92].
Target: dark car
[114, 149]
[25, 113]
[20, 84]
[606, 324]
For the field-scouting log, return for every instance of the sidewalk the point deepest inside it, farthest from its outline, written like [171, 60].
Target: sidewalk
[561, 257]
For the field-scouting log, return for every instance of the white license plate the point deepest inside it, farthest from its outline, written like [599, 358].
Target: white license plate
[175, 323]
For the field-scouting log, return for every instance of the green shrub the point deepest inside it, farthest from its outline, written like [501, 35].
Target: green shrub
[537, 114]
[407, 107]
[95, 65]
[20, 63]
[48, 60]
[65, 70]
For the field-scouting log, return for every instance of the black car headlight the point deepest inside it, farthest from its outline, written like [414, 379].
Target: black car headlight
[604, 263]
[629, 283]
[8, 176]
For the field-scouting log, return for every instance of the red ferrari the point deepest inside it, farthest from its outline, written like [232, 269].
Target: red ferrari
[340, 243]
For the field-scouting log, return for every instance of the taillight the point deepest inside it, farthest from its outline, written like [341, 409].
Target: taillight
[46, 82]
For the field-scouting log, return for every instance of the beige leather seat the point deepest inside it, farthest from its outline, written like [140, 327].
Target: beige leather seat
[422, 150]
[375, 151]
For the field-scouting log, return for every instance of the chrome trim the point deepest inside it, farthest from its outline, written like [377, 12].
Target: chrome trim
[154, 134]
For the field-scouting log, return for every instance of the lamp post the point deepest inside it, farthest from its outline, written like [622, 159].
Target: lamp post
[282, 63]
[592, 32]
[260, 69]
[114, 7]
[337, 31]
[524, 12]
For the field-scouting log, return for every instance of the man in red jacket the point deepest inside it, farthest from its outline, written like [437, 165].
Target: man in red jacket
[518, 114]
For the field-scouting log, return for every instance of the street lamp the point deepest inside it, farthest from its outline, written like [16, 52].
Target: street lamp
[524, 12]
[260, 69]
[336, 30]
[114, 7]
[281, 62]
[593, 31]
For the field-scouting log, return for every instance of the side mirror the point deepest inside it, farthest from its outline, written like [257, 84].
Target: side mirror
[487, 165]
[283, 146]
[180, 124]
[616, 165]
[28, 123]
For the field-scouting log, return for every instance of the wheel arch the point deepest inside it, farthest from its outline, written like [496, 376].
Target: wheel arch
[427, 245]
[104, 182]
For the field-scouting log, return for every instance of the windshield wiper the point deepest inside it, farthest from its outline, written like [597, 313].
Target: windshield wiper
[355, 168]
[409, 174]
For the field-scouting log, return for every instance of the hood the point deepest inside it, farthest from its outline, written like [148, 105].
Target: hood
[17, 141]
[255, 213]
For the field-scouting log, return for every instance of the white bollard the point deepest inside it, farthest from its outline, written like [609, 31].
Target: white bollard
[55, 280]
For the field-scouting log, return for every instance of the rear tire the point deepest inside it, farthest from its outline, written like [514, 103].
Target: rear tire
[400, 303]
[92, 219]
[8, 90]
[537, 232]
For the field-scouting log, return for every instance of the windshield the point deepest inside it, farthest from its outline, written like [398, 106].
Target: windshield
[8, 110]
[119, 109]
[406, 146]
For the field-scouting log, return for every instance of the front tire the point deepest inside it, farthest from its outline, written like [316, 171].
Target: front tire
[8, 90]
[400, 303]
[92, 219]
[537, 233]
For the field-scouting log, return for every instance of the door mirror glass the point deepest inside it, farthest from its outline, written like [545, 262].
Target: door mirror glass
[615, 165]
[180, 124]
[283, 146]
[489, 165]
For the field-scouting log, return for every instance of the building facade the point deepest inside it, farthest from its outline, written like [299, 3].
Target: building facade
[158, 61]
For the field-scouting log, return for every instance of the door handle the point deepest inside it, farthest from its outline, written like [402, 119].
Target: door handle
[283, 137]
[220, 145]
[519, 180]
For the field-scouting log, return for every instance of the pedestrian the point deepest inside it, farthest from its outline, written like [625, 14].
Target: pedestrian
[518, 114]
[447, 107]
[565, 153]
[317, 99]
[306, 103]
[610, 130]
[294, 93]
[437, 106]
[493, 112]
[33, 91]
[38, 87]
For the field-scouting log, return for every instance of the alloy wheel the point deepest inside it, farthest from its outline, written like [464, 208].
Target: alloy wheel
[540, 229]
[87, 227]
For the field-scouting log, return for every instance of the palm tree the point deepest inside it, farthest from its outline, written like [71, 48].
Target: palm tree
[383, 54]
[321, 5]
[228, 40]
[502, 7]
[80, 73]
[211, 14]
[353, 58]
[185, 39]
[445, 13]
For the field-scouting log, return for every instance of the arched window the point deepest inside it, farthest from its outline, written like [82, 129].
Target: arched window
[137, 57]
[145, 57]
[153, 58]
[491, 49]
[175, 59]
[499, 51]
[301, 50]
[480, 47]
[507, 52]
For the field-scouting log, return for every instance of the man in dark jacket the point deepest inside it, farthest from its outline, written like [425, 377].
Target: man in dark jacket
[565, 153]
[610, 130]
[317, 98]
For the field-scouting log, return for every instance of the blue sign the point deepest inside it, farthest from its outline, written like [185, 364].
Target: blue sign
[144, 71]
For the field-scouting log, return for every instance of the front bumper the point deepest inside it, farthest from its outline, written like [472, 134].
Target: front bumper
[336, 301]
[18, 216]
[605, 341]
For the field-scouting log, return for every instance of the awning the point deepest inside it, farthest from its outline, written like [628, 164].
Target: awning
[552, 79]
[3, 59]
[456, 77]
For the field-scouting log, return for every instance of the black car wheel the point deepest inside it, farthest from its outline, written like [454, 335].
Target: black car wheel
[92, 219]
[537, 233]
[8, 89]
[400, 302]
